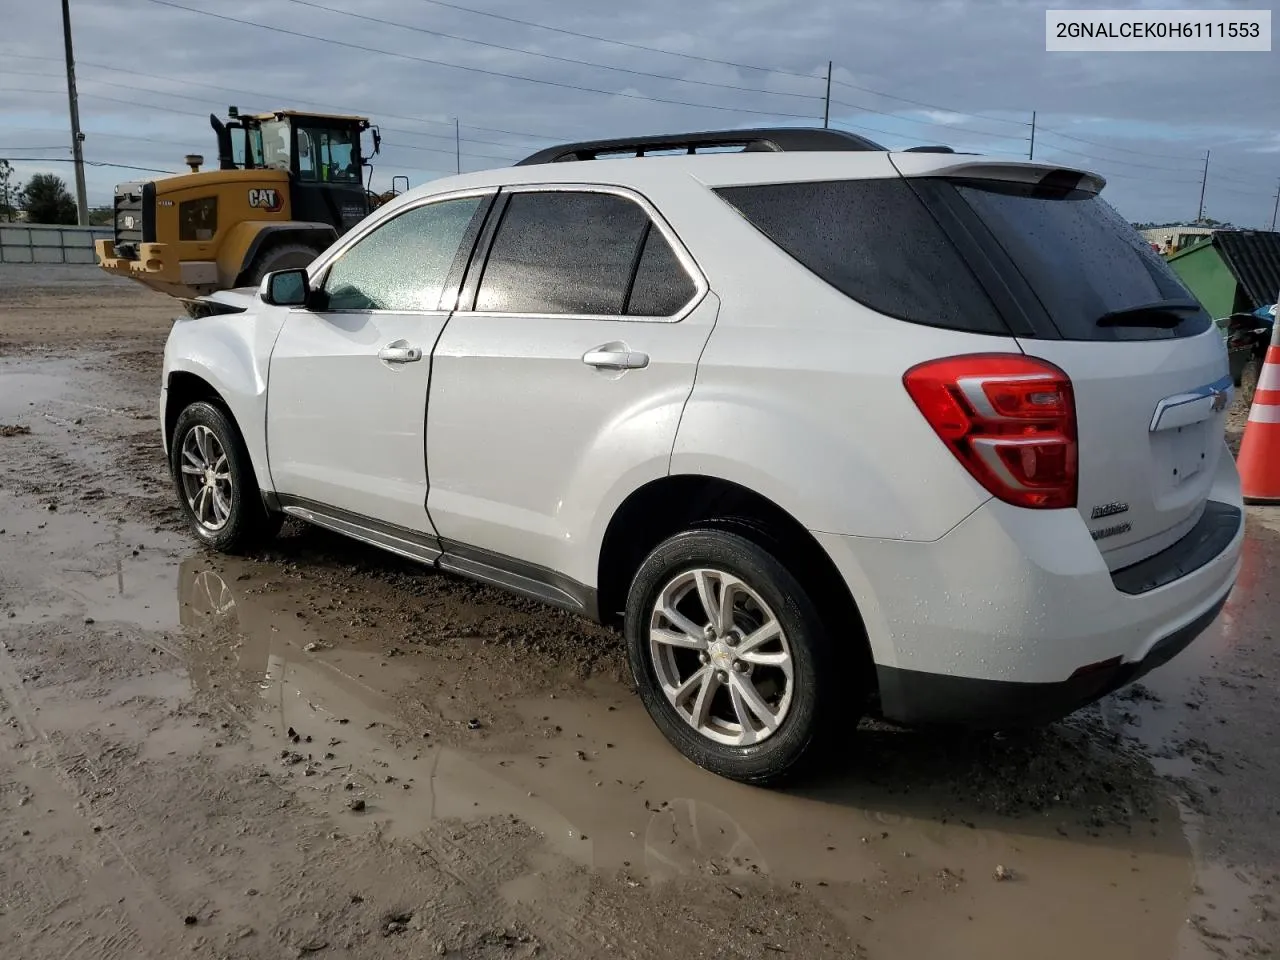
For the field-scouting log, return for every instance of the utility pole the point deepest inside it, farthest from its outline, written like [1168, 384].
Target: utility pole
[826, 106]
[1276, 208]
[1031, 154]
[1204, 180]
[457, 145]
[77, 138]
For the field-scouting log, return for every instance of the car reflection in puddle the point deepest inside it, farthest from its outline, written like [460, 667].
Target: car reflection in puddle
[913, 822]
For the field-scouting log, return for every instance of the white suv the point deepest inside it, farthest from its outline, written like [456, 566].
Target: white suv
[827, 430]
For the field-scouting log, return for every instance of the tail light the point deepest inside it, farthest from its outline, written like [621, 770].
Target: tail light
[1009, 419]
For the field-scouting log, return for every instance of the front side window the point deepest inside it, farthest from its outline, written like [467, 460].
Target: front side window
[580, 253]
[403, 264]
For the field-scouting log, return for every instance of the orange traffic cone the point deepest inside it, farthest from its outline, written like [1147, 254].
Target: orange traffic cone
[1259, 459]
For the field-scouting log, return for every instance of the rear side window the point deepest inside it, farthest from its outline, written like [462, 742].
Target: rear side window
[661, 286]
[1081, 259]
[580, 253]
[563, 253]
[874, 241]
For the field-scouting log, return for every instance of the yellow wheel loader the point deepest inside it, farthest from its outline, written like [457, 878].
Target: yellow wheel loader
[287, 185]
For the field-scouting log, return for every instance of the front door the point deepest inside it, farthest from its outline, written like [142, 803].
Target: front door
[563, 386]
[346, 410]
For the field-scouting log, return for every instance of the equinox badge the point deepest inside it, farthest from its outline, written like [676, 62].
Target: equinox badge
[1108, 510]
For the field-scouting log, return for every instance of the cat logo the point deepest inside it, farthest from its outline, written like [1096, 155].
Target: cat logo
[266, 198]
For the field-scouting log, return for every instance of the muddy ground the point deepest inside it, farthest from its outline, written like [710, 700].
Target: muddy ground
[323, 751]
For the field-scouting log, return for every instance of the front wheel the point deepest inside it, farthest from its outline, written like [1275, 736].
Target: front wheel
[215, 482]
[731, 658]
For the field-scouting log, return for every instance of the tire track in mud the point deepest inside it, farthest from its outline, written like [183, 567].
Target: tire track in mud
[52, 770]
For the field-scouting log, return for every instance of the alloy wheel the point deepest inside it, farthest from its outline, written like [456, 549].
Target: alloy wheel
[721, 657]
[206, 478]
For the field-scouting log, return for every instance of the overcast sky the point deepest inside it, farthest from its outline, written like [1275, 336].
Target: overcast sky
[968, 73]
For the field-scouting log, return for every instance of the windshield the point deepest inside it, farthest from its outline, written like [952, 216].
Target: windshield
[277, 146]
[1083, 261]
[328, 155]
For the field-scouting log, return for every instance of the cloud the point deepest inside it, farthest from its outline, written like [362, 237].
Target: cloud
[963, 72]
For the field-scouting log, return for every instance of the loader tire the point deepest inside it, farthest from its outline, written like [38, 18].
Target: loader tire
[280, 257]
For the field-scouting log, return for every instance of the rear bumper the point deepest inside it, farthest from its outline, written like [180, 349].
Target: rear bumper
[916, 698]
[1013, 616]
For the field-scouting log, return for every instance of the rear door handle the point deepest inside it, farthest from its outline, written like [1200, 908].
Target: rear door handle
[400, 352]
[611, 358]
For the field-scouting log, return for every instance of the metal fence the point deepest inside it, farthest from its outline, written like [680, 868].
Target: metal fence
[37, 243]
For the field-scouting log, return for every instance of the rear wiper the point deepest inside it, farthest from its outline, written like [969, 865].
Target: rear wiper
[1164, 314]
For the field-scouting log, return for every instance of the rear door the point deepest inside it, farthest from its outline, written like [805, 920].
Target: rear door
[561, 378]
[1148, 367]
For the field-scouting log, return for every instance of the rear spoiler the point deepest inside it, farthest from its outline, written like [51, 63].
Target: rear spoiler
[1015, 171]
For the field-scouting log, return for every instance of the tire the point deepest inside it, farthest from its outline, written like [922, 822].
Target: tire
[280, 257]
[1248, 382]
[231, 517]
[803, 707]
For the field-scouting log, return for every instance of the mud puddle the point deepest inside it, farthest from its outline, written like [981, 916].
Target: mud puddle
[1204, 720]
[269, 669]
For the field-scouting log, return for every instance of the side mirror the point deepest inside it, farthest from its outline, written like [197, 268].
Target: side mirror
[285, 288]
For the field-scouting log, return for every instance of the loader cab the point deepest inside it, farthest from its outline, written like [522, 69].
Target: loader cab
[322, 154]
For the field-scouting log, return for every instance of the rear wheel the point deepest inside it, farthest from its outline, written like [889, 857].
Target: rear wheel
[216, 485]
[280, 257]
[731, 658]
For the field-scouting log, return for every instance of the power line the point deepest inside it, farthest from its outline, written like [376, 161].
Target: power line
[292, 99]
[1090, 156]
[479, 156]
[1217, 178]
[95, 96]
[620, 43]
[93, 163]
[862, 128]
[480, 70]
[1107, 146]
[930, 106]
[852, 86]
[928, 123]
[551, 56]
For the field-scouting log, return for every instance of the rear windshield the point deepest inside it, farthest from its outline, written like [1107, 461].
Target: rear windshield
[1082, 260]
[874, 241]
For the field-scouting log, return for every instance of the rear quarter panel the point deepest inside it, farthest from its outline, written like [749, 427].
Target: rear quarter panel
[799, 393]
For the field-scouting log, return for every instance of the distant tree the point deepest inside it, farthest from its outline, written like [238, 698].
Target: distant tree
[47, 200]
[101, 216]
[8, 195]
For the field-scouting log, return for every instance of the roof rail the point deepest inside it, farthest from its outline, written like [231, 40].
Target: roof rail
[763, 139]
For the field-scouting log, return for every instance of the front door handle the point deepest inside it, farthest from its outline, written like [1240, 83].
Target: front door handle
[400, 352]
[615, 357]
